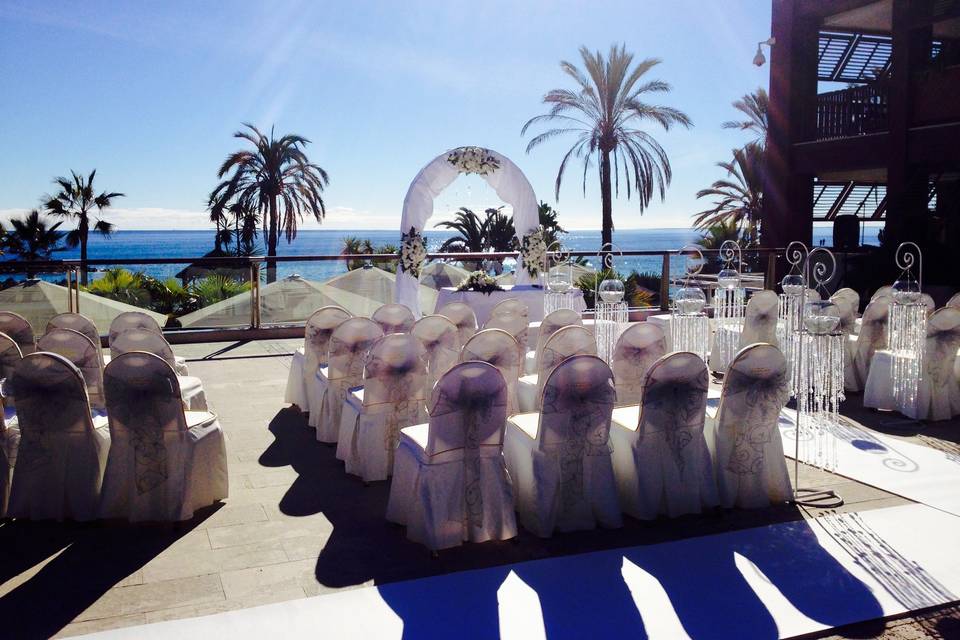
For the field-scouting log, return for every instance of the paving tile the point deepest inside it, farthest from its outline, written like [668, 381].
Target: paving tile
[232, 514]
[213, 561]
[258, 580]
[142, 598]
[221, 537]
[191, 611]
[101, 624]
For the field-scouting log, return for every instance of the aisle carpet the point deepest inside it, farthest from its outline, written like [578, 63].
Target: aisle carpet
[775, 581]
[914, 471]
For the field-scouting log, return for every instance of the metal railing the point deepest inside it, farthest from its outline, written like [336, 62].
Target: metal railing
[255, 328]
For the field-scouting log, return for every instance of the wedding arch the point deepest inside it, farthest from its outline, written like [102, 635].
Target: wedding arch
[499, 172]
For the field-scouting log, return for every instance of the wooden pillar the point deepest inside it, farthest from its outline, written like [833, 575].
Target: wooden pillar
[788, 195]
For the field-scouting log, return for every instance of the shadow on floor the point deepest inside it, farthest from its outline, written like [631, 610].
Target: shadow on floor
[364, 546]
[88, 560]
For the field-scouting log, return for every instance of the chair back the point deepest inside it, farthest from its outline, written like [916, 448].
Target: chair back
[849, 294]
[813, 295]
[847, 302]
[954, 302]
[19, 330]
[564, 343]
[578, 400]
[349, 344]
[142, 340]
[440, 340]
[510, 307]
[143, 402]
[943, 341]
[316, 336]
[760, 319]
[10, 356]
[755, 389]
[132, 320]
[675, 398]
[468, 411]
[928, 302]
[462, 315]
[51, 398]
[555, 320]
[885, 291]
[394, 383]
[498, 348]
[636, 350]
[85, 356]
[394, 317]
[77, 322]
[873, 329]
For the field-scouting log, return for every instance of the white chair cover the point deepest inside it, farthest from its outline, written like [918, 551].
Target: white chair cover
[498, 348]
[62, 453]
[349, 344]
[885, 291]
[744, 436]
[9, 429]
[450, 482]
[10, 356]
[80, 323]
[938, 392]
[163, 464]
[440, 340]
[548, 326]
[19, 330]
[848, 294]
[513, 316]
[191, 388]
[394, 397]
[85, 356]
[316, 343]
[954, 302]
[394, 317]
[813, 295]
[559, 459]
[662, 464]
[139, 320]
[872, 337]
[928, 302]
[461, 315]
[567, 341]
[637, 349]
[510, 307]
[760, 319]
[847, 304]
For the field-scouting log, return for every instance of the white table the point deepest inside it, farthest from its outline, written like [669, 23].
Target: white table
[483, 303]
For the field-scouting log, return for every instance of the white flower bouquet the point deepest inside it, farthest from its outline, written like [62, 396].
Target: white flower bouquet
[413, 252]
[473, 160]
[533, 251]
[479, 281]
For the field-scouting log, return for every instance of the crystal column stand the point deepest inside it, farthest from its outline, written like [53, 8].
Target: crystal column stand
[818, 387]
[610, 319]
[691, 332]
[906, 338]
[728, 308]
[554, 300]
[789, 315]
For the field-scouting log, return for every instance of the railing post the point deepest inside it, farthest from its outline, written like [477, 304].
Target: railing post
[255, 295]
[665, 283]
[70, 308]
[770, 276]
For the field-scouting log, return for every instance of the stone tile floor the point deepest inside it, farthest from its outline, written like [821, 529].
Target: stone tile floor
[296, 525]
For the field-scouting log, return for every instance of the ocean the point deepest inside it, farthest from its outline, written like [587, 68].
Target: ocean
[195, 243]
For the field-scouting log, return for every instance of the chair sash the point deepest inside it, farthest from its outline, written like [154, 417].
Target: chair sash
[316, 337]
[636, 350]
[394, 318]
[463, 317]
[77, 348]
[555, 321]
[19, 330]
[440, 340]
[567, 341]
[498, 348]
[760, 319]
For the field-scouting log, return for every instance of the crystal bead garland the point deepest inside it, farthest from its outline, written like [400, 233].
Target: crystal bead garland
[907, 328]
[819, 391]
[689, 326]
[554, 300]
[790, 309]
[729, 301]
[610, 313]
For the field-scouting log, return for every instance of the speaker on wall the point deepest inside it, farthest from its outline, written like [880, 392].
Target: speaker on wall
[846, 232]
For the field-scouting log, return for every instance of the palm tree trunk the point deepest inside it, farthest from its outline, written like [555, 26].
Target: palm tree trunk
[606, 198]
[272, 242]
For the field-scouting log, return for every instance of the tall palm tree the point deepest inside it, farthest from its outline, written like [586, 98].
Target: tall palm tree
[548, 221]
[276, 180]
[471, 233]
[605, 112]
[755, 107]
[739, 196]
[77, 199]
[32, 239]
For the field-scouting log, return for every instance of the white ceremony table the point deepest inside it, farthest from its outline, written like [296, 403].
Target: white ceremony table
[483, 303]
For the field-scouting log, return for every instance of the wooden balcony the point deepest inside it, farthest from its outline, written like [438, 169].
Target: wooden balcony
[851, 112]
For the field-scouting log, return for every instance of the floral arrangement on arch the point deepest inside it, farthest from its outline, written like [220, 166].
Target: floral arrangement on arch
[533, 251]
[473, 160]
[413, 252]
[479, 281]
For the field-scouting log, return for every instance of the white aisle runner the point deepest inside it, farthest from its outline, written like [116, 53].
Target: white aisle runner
[916, 472]
[775, 581]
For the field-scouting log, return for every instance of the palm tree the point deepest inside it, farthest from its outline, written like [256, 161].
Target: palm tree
[755, 106]
[471, 230]
[548, 221]
[276, 180]
[739, 196]
[76, 199]
[32, 239]
[605, 112]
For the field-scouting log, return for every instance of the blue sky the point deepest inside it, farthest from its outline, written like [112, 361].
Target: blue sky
[149, 93]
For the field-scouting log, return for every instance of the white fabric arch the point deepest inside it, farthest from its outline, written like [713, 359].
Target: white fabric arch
[507, 180]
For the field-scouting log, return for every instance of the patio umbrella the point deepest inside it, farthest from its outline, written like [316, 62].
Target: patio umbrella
[361, 291]
[38, 301]
[437, 275]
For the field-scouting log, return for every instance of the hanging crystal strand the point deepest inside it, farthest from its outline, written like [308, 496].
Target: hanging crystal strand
[610, 321]
[691, 332]
[819, 393]
[788, 324]
[728, 311]
[906, 335]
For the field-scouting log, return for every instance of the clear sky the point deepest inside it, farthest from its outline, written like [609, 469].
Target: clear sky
[149, 93]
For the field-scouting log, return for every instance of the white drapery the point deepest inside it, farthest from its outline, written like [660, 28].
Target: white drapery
[508, 181]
